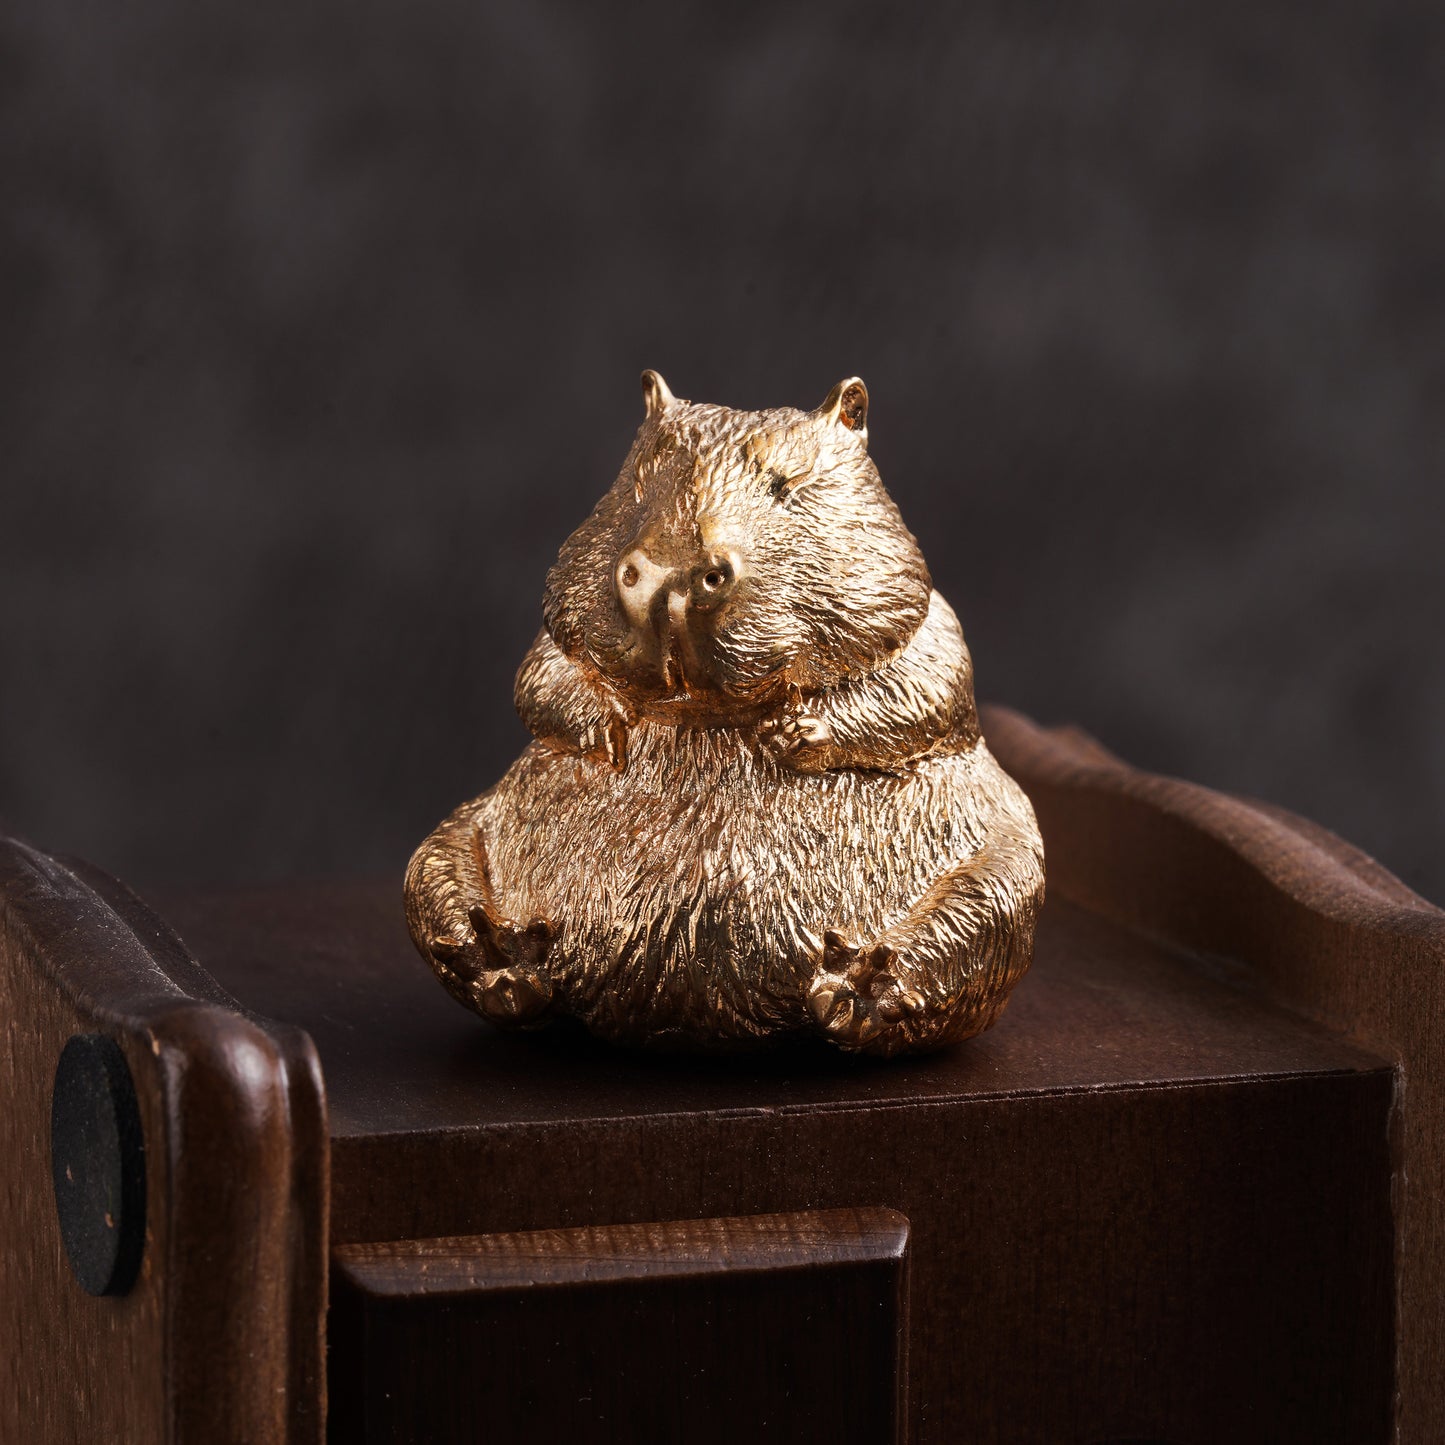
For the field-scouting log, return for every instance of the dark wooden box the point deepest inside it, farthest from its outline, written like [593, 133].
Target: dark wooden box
[1188, 1190]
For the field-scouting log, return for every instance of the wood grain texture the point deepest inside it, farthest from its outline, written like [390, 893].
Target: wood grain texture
[670, 1248]
[1104, 1008]
[1187, 1190]
[1147, 1205]
[221, 1339]
[73, 1367]
[1308, 920]
[774, 1327]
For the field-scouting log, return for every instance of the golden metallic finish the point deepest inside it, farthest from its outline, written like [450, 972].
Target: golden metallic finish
[757, 802]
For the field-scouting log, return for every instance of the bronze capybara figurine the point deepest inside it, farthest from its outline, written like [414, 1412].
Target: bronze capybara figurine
[757, 802]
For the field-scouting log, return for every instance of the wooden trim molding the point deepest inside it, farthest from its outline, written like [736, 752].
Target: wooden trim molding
[222, 1337]
[1244, 1014]
[1298, 913]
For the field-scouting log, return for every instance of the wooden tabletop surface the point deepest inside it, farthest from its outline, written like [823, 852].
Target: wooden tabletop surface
[1100, 1008]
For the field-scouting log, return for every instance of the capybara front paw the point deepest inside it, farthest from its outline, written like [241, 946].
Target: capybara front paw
[607, 738]
[857, 995]
[498, 970]
[798, 739]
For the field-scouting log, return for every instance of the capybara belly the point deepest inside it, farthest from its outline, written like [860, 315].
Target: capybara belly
[691, 891]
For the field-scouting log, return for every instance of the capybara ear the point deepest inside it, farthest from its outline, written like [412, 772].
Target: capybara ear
[847, 405]
[656, 394]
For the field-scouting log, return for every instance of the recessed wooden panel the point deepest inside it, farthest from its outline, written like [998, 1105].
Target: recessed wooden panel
[1185, 1191]
[778, 1327]
[1149, 1203]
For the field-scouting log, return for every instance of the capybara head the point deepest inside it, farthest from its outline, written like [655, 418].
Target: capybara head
[737, 555]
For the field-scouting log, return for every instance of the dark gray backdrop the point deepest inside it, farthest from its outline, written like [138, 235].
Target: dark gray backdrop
[321, 326]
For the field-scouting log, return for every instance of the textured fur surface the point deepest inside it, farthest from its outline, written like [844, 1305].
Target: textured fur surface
[758, 802]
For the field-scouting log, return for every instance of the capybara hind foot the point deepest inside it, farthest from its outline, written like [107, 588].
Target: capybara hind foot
[857, 994]
[498, 971]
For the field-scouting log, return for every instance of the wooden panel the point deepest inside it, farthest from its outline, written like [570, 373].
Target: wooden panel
[1305, 919]
[777, 1327]
[1149, 1204]
[221, 1337]
[1102, 1007]
[76, 1367]
[1202, 1263]
[1154, 1203]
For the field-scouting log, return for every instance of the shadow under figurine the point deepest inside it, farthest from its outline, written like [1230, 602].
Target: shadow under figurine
[757, 802]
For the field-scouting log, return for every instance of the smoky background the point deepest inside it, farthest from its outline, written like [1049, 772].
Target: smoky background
[320, 327]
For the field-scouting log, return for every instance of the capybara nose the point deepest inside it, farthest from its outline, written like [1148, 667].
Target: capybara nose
[641, 581]
[655, 594]
[712, 580]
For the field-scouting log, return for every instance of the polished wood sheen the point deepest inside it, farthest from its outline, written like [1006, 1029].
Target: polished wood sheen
[1313, 924]
[1188, 1189]
[222, 1336]
[776, 1327]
